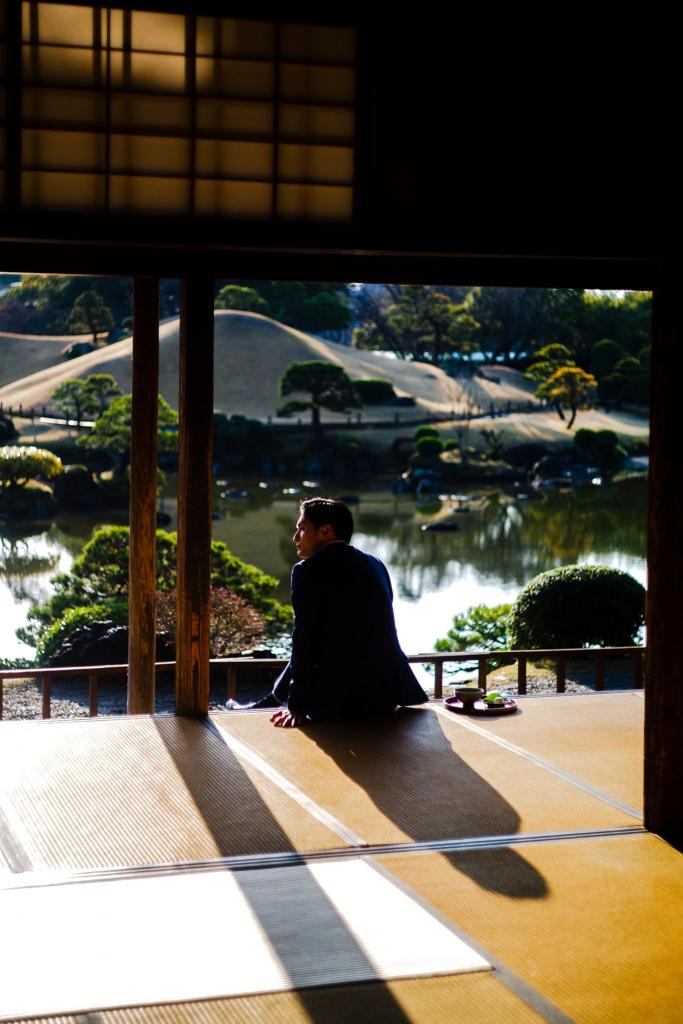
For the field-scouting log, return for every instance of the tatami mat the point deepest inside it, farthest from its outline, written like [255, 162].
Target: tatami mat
[216, 933]
[597, 737]
[418, 776]
[596, 926]
[459, 999]
[140, 791]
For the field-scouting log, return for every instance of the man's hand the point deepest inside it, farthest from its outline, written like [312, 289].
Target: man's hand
[284, 719]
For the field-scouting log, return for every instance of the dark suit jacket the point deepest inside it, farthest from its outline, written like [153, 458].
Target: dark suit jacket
[346, 659]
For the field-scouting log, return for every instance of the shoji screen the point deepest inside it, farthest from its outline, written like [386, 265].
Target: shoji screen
[133, 111]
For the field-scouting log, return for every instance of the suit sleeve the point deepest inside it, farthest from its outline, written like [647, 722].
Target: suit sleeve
[302, 662]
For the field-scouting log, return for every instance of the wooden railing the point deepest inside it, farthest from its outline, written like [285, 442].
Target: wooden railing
[93, 673]
[558, 655]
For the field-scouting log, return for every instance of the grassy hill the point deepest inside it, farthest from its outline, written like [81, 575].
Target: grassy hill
[21, 354]
[251, 354]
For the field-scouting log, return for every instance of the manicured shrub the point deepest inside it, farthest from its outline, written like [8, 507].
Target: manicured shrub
[374, 391]
[451, 446]
[429, 446]
[21, 463]
[51, 639]
[599, 447]
[426, 432]
[578, 606]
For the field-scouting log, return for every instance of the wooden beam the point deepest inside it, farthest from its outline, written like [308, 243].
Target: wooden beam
[143, 490]
[664, 666]
[194, 496]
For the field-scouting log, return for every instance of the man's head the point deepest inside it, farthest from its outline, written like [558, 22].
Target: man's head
[321, 521]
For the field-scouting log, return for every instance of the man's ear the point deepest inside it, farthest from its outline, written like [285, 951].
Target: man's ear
[327, 531]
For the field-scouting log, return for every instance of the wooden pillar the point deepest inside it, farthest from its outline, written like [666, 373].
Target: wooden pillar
[143, 490]
[194, 497]
[664, 665]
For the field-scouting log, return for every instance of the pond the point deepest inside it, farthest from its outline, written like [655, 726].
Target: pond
[503, 539]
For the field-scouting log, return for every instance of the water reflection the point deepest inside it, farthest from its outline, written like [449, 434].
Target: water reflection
[502, 542]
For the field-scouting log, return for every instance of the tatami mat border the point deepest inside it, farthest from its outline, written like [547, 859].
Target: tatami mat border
[29, 880]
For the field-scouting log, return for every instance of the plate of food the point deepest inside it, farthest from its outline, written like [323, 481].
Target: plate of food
[469, 700]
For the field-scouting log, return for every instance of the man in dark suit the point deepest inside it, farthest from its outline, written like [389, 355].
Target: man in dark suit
[346, 660]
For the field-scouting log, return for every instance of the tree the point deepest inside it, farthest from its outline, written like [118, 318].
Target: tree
[247, 300]
[625, 319]
[89, 313]
[328, 385]
[293, 302]
[17, 317]
[550, 359]
[629, 381]
[326, 312]
[74, 400]
[481, 628]
[569, 387]
[233, 624]
[515, 321]
[42, 304]
[112, 429]
[102, 387]
[421, 323]
[97, 586]
[19, 464]
[98, 582]
[605, 355]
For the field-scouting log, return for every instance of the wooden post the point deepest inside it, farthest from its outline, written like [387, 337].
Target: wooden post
[194, 497]
[143, 492]
[92, 693]
[232, 682]
[47, 693]
[600, 670]
[521, 675]
[663, 666]
[438, 680]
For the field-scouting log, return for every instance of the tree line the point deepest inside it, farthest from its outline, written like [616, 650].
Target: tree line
[578, 345]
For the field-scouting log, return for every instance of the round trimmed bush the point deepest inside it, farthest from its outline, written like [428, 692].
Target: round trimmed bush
[578, 606]
[425, 432]
[374, 391]
[429, 446]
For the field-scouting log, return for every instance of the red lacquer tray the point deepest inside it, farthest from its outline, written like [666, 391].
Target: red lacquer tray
[479, 707]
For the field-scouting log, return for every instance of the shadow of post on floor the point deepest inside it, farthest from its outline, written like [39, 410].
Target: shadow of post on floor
[220, 787]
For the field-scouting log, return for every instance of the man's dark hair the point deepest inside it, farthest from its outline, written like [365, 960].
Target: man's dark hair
[337, 514]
